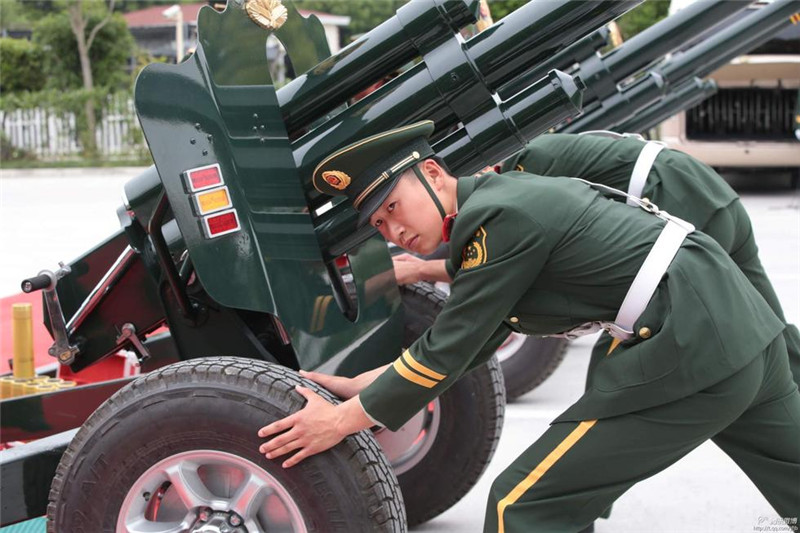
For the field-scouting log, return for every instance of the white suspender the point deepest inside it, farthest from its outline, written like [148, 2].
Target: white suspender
[649, 275]
[641, 169]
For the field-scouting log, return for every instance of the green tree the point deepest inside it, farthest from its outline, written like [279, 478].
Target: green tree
[501, 8]
[87, 46]
[364, 14]
[21, 67]
[642, 17]
[109, 55]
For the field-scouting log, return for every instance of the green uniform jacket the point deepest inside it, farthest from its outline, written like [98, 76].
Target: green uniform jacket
[679, 184]
[542, 256]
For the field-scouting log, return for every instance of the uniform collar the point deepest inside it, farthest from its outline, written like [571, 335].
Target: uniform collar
[464, 188]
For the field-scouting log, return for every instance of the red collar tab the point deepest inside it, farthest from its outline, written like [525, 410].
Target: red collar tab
[447, 226]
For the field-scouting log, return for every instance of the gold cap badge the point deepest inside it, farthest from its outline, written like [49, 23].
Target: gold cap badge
[336, 179]
[269, 14]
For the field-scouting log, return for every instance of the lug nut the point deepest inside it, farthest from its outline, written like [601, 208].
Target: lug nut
[235, 520]
[204, 515]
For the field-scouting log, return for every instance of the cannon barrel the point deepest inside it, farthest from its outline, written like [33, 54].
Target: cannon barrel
[500, 133]
[418, 27]
[683, 97]
[699, 60]
[512, 45]
[737, 39]
[562, 60]
[602, 74]
[454, 82]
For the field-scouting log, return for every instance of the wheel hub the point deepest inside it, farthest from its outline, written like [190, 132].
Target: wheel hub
[208, 491]
[406, 447]
[210, 521]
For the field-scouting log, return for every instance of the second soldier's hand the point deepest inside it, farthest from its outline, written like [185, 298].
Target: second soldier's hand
[343, 387]
[410, 269]
[407, 269]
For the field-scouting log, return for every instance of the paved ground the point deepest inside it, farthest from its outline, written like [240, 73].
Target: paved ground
[47, 216]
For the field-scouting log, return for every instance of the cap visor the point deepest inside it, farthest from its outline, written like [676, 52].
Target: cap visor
[374, 201]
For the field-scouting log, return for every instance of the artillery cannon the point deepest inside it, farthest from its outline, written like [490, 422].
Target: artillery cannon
[225, 242]
[698, 61]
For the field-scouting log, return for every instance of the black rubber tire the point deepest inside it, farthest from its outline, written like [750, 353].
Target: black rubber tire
[472, 413]
[532, 364]
[217, 403]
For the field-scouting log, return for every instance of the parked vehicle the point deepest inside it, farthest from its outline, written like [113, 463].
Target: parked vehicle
[750, 123]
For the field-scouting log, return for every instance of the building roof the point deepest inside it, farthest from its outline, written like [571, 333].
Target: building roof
[153, 16]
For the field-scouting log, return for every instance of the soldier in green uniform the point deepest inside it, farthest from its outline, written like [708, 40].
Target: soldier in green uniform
[701, 354]
[674, 181]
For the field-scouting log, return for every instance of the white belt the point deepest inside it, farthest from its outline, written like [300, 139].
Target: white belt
[647, 278]
[644, 162]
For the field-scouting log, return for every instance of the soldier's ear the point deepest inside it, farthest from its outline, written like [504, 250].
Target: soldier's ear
[435, 172]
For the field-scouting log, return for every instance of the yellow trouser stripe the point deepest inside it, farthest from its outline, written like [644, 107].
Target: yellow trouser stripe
[419, 367]
[614, 343]
[323, 309]
[411, 376]
[541, 469]
[317, 302]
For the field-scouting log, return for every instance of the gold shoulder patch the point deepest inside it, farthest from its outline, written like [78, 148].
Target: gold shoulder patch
[474, 253]
[336, 179]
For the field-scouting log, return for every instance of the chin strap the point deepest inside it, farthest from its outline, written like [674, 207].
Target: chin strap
[432, 194]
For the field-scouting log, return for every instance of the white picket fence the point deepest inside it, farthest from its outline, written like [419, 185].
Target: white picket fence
[52, 135]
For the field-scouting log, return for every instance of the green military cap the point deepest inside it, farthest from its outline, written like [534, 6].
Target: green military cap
[367, 171]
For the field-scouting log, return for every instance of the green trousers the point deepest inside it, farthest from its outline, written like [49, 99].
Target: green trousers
[575, 471]
[732, 229]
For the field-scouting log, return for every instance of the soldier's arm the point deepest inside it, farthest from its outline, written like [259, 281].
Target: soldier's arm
[484, 291]
[410, 269]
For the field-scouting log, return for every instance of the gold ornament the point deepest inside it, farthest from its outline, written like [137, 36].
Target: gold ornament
[269, 14]
[336, 179]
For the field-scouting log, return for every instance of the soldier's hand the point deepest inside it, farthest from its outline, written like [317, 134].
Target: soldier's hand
[407, 269]
[317, 427]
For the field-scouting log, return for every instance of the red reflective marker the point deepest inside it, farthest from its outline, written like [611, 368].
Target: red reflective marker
[221, 224]
[200, 178]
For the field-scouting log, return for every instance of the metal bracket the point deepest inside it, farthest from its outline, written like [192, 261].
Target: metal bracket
[128, 333]
[61, 348]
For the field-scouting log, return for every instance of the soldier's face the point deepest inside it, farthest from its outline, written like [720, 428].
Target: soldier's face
[409, 218]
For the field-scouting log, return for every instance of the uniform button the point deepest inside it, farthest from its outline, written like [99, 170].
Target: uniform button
[645, 332]
[513, 320]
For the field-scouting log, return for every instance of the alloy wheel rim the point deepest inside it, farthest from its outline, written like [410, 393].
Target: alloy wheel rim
[208, 491]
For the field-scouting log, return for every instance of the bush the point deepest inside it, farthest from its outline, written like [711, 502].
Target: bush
[11, 153]
[21, 66]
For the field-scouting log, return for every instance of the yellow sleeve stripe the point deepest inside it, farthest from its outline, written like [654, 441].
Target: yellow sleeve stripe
[540, 470]
[419, 367]
[411, 376]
